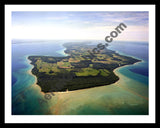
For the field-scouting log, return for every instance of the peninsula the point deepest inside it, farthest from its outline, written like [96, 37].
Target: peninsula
[73, 72]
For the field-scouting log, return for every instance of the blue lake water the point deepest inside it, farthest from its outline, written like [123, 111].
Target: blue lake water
[135, 49]
[23, 96]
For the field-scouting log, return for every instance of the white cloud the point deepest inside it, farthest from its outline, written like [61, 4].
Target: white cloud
[60, 32]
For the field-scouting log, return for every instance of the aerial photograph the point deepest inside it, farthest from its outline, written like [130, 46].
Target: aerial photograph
[80, 63]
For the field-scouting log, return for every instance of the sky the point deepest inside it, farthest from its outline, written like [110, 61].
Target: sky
[83, 25]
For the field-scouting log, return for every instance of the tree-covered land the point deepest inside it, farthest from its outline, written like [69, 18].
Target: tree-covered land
[76, 72]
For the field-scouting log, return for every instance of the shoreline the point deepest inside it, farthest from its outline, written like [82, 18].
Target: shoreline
[115, 70]
[62, 52]
[30, 73]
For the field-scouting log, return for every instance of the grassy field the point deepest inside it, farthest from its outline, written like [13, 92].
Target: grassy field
[87, 72]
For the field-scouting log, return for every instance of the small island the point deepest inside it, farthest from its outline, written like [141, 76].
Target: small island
[74, 72]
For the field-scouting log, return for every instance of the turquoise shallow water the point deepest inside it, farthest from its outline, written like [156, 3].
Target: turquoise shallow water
[128, 96]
